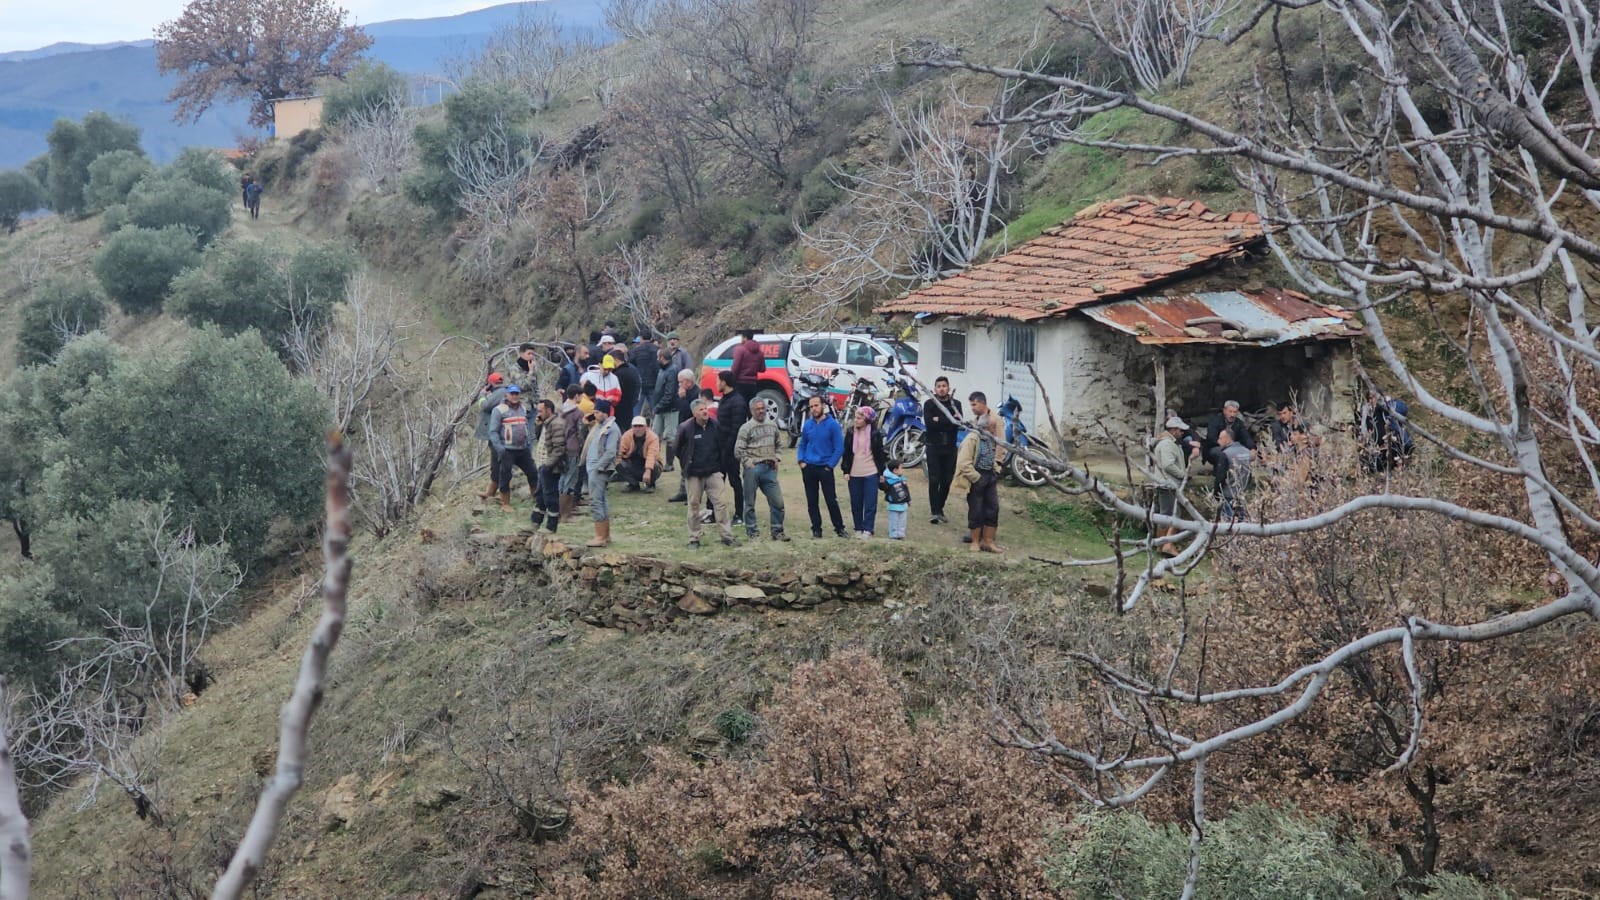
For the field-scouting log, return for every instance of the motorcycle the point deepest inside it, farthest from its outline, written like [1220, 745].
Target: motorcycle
[806, 386]
[863, 393]
[1025, 471]
[904, 431]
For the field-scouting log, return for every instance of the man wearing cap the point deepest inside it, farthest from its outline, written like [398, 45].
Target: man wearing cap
[700, 457]
[600, 460]
[680, 357]
[511, 434]
[643, 357]
[604, 379]
[639, 455]
[491, 395]
[748, 364]
[1172, 470]
[757, 450]
[605, 345]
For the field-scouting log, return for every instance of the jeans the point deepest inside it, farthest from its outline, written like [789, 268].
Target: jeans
[941, 471]
[572, 479]
[819, 479]
[549, 496]
[597, 495]
[864, 502]
[708, 487]
[667, 427]
[764, 478]
[520, 458]
[897, 523]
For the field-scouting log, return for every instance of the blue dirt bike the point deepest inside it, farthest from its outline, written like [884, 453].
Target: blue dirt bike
[905, 434]
[1025, 471]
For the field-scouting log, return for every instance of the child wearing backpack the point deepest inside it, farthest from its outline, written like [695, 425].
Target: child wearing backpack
[897, 494]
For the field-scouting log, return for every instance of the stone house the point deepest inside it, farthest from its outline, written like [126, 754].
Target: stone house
[1130, 307]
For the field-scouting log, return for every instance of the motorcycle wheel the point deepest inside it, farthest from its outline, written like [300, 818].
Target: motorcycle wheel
[1026, 472]
[910, 447]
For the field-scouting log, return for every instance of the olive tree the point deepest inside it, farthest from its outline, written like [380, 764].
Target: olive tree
[58, 310]
[137, 265]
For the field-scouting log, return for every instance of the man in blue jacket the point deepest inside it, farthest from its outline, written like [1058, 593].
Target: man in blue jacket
[821, 445]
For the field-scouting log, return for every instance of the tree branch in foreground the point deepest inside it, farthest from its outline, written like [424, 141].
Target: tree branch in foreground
[308, 688]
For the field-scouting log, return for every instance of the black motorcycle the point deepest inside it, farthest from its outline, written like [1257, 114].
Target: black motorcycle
[806, 386]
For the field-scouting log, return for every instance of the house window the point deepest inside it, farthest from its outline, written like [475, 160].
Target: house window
[953, 350]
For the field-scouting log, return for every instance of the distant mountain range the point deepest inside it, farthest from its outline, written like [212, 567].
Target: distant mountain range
[67, 79]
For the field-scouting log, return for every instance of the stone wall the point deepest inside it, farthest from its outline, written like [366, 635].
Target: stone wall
[634, 593]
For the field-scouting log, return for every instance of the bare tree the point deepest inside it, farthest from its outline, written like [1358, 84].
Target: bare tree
[395, 459]
[353, 357]
[16, 857]
[381, 137]
[498, 196]
[537, 56]
[1372, 198]
[1154, 40]
[309, 686]
[574, 198]
[640, 289]
[926, 213]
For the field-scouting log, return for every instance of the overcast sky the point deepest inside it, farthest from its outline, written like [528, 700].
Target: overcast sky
[29, 24]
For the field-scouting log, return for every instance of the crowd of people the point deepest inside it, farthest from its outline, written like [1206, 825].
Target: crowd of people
[726, 446]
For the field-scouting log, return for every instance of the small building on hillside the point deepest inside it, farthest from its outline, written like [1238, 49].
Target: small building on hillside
[291, 116]
[1131, 307]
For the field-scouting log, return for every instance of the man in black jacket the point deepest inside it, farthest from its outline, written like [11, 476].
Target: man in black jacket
[700, 455]
[643, 357]
[628, 380]
[942, 429]
[733, 410]
[1230, 421]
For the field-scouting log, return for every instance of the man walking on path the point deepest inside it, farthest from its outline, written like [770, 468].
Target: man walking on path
[821, 445]
[491, 395]
[977, 472]
[700, 456]
[549, 459]
[942, 429]
[1172, 470]
[757, 450]
[252, 199]
[732, 412]
[600, 460]
[511, 433]
[639, 456]
[748, 364]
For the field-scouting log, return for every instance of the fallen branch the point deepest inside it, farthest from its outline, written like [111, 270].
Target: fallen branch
[308, 688]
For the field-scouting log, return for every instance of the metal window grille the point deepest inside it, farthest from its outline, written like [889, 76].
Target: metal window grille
[953, 350]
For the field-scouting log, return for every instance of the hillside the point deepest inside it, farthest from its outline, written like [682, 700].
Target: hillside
[512, 714]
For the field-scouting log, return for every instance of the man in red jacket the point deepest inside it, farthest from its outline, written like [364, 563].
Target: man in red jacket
[748, 364]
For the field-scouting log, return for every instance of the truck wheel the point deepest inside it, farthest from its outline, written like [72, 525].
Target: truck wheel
[777, 403]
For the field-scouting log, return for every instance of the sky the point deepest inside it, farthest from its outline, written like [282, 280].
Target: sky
[30, 24]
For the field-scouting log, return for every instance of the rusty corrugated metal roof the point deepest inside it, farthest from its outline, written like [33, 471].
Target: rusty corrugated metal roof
[1264, 318]
[1106, 251]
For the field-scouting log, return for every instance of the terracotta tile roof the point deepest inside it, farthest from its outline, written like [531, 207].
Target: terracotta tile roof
[1106, 251]
[1264, 318]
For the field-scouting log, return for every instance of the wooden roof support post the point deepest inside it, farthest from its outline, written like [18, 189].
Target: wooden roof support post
[1160, 390]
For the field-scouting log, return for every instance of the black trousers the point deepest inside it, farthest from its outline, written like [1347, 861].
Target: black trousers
[632, 471]
[819, 480]
[735, 476]
[983, 502]
[520, 459]
[941, 471]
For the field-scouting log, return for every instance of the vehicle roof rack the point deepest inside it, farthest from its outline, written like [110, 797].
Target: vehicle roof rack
[863, 329]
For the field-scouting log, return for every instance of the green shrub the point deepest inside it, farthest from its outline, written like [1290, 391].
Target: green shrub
[167, 200]
[20, 193]
[736, 724]
[244, 284]
[1260, 852]
[112, 176]
[370, 85]
[216, 427]
[137, 265]
[58, 310]
[471, 115]
[73, 146]
[112, 220]
[204, 167]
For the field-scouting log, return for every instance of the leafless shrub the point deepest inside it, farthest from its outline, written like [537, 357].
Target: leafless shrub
[1154, 40]
[42, 258]
[355, 356]
[396, 456]
[536, 56]
[381, 137]
[641, 292]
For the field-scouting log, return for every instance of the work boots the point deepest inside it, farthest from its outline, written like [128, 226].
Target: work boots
[568, 503]
[602, 535]
[505, 500]
[490, 491]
